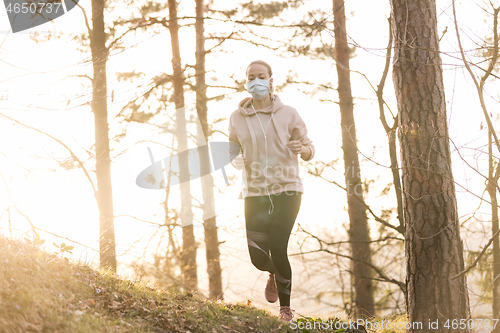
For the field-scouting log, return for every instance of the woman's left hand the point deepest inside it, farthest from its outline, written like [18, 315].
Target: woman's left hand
[295, 146]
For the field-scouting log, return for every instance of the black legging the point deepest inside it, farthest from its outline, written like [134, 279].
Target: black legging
[270, 232]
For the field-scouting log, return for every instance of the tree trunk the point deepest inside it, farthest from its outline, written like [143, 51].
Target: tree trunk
[492, 191]
[433, 245]
[103, 166]
[172, 257]
[207, 183]
[496, 261]
[358, 222]
[188, 241]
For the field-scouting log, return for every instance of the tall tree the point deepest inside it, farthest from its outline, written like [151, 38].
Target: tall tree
[207, 183]
[491, 187]
[359, 237]
[433, 247]
[104, 194]
[188, 240]
[103, 39]
[493, 176]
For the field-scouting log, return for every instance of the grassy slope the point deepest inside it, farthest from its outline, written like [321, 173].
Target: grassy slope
[41, 292]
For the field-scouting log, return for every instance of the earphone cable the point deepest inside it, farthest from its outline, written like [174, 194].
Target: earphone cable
[271, 208]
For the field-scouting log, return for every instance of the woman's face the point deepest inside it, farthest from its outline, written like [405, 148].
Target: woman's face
[258, 71]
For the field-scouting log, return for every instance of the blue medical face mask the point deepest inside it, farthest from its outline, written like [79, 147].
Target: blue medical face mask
[258, 88]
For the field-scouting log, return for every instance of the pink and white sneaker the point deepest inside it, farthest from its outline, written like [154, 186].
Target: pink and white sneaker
[286, 314]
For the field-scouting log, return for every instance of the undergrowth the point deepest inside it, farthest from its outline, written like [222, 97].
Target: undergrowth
[45, 292]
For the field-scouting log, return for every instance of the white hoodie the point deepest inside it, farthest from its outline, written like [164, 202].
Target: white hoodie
[285, 125]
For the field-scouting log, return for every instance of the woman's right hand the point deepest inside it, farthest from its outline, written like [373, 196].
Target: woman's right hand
[239, 162]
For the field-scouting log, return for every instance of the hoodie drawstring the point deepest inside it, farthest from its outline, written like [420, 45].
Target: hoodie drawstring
[271, 208]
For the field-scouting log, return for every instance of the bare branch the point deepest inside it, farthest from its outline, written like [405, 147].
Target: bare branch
[380, 87]
[400, 284]
[15, 204]
[73, 241]
[480, 85]
[80, 163]
[89, 30]
[150, 222]
[378, 219]
[474, 264]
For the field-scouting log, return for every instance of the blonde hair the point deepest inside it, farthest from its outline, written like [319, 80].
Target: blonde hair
[261, 62]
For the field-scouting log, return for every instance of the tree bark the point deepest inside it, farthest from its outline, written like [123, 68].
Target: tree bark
[433, 246]
[496, 261]
[103, 165]
[172, 257]
[207, 183]
[358, 222]
[492, 191]
[188, 256]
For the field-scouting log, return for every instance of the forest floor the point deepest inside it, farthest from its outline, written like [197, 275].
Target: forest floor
[44, 292]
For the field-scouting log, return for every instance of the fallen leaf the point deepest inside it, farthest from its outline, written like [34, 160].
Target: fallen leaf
[32, 328]
[116, 305]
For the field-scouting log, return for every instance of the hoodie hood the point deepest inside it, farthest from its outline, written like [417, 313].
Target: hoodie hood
[245, 108]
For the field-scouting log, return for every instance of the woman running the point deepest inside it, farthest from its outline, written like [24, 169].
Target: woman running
[271, 135]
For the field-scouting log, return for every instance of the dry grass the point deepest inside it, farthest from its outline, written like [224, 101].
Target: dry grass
[388, 324]
[43, 292]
